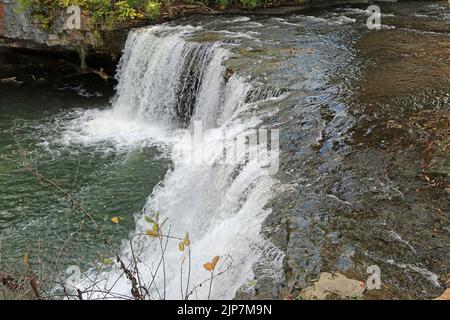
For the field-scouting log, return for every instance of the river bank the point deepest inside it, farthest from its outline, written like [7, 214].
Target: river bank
[102, 47]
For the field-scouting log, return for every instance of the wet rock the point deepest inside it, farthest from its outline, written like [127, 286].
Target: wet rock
[42, 81]
[334, 285]
[228, 73]
[440, 165]
[11, 81]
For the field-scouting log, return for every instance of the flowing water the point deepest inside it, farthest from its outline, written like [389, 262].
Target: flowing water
[322, 79]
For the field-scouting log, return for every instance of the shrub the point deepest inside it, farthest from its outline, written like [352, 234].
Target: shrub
[152, 9]
[223, 4]
[40, 10]
[123, 12]
[250, 4]
[99, 13]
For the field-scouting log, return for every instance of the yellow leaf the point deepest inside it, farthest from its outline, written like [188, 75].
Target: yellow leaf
[181, 246]
[26, 258]
[115, 220]
[214, 261]
[107, 262]
[186, 240]
[155, 227]
[152, 233]
[210, 266]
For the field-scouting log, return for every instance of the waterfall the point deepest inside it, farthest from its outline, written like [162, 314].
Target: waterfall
[169, 86]
[163, 78]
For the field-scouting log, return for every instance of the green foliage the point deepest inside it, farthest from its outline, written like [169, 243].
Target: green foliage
[223, 4]
[111, 13]
[250, 4]
[41, 10]
[24, 5]
[123, 12]
[43, 20]
[135, 4]
[152, 9]
[98, 13]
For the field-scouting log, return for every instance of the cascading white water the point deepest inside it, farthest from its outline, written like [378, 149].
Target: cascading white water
[166, 85]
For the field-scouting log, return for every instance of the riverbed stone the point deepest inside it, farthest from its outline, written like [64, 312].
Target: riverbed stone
[337, 285]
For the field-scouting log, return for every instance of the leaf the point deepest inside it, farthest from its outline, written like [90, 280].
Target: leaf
[156, 227]
[26, 258]
[210, 266]
[186, 240]
[162, 223]
[107, 262]
[149, 220]
[181, 246]
[214, 261]
[152, 233]
[115, 220]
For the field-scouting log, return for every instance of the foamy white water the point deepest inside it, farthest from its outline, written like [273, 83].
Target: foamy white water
[165, 84]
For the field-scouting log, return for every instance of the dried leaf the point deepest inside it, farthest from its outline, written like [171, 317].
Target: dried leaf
[115, 220]
[26, 258]
[214, 261]
[152, 233]
[181, 246]
[186, 240]
[210, 266]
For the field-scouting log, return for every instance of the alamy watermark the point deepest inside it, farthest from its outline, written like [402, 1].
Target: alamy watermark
[73, 21]
[374, 21]
[374, 280]
[74, 278]
[222, 147]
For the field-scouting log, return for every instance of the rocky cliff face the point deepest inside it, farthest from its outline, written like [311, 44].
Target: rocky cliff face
[19, 31]
[16, 25]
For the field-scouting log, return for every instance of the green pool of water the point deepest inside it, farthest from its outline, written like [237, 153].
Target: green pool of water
[37, 217]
